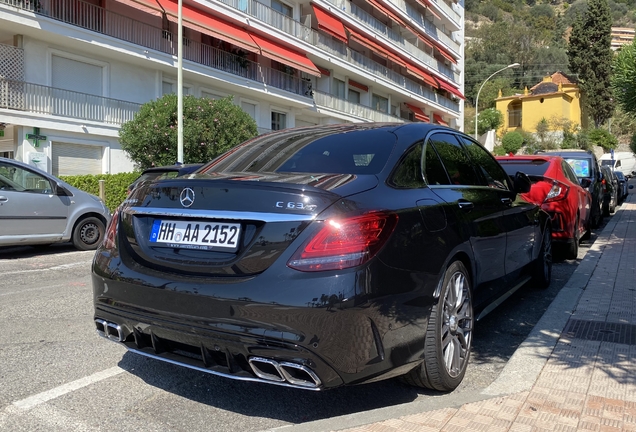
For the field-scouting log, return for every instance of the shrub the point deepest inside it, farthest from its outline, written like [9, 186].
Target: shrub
[114, 188]
[512, 142]
[210, 127]
[601, 137]
[632, 143]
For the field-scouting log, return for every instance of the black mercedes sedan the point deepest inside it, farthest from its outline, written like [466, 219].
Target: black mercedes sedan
[322, 256]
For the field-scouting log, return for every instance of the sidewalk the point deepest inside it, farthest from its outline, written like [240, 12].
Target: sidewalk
[588, 336]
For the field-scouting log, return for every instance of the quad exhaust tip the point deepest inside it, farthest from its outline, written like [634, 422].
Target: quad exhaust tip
[296, 374]
[264, 368]
[109, 330]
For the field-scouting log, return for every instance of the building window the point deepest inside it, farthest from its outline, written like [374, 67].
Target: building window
[168, 87]
[338, 88]
[279, 120]
[380, 103]
[354, 96]
[282, 8]
[514, 114]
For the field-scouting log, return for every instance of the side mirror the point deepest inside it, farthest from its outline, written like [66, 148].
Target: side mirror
[585, 183]
[62, 191]
[522, 183]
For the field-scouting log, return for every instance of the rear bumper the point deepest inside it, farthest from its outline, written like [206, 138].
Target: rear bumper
[321, 340]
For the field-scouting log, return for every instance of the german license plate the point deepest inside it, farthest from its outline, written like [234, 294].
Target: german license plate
[196, 235]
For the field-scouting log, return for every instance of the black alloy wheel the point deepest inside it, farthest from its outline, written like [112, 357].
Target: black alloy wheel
[449, 334]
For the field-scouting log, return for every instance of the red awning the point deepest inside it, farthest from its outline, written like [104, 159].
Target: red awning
[386, 11]
[356, 84]
[330, 24]
[288, 56]
[447, 56]
[439, 120]
[208, 24]
[427, 5]
[324, 71]
[367, 42]
[449, 88]
[418, 113]
[419, 73]
[142, 6]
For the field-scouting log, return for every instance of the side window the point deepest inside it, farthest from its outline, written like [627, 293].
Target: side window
[21, 180]
[434, 170]
[408, 174]
[455, 160]
[490, 169]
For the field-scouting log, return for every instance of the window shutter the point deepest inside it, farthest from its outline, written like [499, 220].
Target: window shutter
[76, 159]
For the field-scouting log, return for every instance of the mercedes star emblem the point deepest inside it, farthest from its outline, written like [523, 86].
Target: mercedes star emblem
[187, 197]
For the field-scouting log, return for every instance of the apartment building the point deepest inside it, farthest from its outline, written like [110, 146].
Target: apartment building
[622, 36]
[72, 71]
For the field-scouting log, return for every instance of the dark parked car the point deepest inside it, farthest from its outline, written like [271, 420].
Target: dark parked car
[37, 208]
[610, 190]
[322, 256]
[586, 168]
[168, 171]
[622, 186]
[556, 189]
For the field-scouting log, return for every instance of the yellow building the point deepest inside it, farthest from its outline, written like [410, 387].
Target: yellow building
[555, 99]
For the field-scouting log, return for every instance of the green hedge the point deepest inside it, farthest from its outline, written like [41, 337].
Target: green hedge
[114, 188]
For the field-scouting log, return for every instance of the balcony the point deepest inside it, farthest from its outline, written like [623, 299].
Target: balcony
[374, 24]
[449, 11]
[94, 18]
[39, 99]
[325, 100]
[428, 26]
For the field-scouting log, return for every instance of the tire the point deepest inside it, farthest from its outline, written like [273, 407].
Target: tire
[612, 206]
[449, 334]
[542, 272]
[88, 233]
[597, 219]
[572, 251]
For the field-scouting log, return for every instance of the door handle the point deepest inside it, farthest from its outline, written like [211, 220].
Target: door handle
[506, 201]
[3, 199]
[465, 205]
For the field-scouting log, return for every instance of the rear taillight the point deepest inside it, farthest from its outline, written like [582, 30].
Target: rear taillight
[557, 192]
[111, 231]
[344, 243]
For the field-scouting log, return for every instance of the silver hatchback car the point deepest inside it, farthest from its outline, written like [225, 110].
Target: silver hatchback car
[37, 208]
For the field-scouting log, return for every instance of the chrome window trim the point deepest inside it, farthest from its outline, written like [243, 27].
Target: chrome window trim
[219, 214]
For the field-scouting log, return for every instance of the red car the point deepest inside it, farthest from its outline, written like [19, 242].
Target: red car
[556, 189]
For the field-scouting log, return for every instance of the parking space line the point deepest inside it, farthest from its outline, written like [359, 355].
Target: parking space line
[35, 400]
[58, 267]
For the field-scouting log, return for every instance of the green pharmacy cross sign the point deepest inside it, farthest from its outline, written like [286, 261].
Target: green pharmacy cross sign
[36, 137]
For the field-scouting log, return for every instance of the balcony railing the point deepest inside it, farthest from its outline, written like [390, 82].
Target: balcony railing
[370, 21]
[451, 13]
[428, 26]
[97, 19]
[35, 98]
[337, 104]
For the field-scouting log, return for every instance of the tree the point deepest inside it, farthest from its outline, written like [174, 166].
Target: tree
[210, 127]
[624, 78]
[490, 118]
[512, 142]
[590, 56]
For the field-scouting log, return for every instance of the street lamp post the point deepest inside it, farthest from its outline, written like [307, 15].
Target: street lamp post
[514, 65]
[180, 85]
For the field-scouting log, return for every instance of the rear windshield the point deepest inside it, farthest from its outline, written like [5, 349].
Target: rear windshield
[310, 151]
[581, 167]
[530, 167]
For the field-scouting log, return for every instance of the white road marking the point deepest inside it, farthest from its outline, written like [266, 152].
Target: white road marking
[56, 392]
[58, 267]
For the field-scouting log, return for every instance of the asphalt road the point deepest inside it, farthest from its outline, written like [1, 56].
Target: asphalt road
[57, 374]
